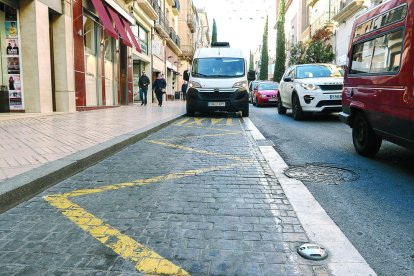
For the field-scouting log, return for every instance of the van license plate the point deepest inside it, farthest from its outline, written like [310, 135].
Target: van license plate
[335, 97]
[216, 104]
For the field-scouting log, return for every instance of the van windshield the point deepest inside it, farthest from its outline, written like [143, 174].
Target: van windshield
[318, 71]
[218, 68]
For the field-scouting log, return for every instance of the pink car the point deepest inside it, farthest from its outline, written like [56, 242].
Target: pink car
[266, 93]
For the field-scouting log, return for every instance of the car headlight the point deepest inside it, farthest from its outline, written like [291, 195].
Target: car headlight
[263, 95]
[194, 84]
[240, 84]
[309, 86]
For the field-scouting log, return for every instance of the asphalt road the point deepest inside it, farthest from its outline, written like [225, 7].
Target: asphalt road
[375, 211]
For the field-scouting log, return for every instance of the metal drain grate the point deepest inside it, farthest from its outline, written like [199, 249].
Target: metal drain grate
[321, 173]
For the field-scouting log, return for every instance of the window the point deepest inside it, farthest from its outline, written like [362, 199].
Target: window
[108, 45]
[142, 36]
[218, 67]
[318, 71]
[268, 86]
[379, 55]
[393, 16]
[89, 36]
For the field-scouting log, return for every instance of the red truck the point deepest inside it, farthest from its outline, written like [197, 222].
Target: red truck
[378, 93]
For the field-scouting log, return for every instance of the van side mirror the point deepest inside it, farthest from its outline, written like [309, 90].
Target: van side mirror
[287, 79]
[186, 75]
[251, 75]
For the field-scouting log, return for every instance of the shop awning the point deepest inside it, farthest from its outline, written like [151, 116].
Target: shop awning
[131, 35]
[119, 27]
[104, 18]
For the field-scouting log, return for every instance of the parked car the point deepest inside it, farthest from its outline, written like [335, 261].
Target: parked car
[266, 93]
[252, 87]
[378, 95]
[311, 88]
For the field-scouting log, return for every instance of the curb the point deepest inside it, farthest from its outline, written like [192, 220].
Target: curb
[24, 186]
[343, 258]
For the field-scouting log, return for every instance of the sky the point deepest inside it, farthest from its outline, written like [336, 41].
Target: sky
[241, 22]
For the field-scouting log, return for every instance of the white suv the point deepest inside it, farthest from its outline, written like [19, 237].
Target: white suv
[311, 88]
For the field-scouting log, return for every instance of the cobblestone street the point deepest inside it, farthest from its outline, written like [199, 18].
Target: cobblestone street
[195, 198]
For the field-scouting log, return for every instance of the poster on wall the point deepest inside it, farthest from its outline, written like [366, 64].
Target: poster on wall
[13, 59]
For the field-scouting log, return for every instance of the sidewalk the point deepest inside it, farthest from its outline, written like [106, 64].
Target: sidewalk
[31, 141]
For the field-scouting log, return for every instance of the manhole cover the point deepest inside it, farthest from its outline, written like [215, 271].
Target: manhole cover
[312, 251]
[326, 174]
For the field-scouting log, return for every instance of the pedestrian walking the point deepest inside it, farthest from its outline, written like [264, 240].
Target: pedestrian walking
[159, 87]
[143, 83]
[184, 88]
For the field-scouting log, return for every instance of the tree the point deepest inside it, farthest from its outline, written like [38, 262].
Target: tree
[280, 45]
[319, 49]
[264, 60]
[251, 62]
[214, 32]
[297, 53]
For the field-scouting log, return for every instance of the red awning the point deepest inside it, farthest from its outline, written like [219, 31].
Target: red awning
[131, 35]
[119, 27]
[104, 18]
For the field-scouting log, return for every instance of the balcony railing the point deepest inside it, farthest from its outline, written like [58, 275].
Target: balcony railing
[162, 24]
[187, 50]
[149, 7]
[176, 6]
[322, 21]
[344, 9]
[174, 37]
[191, 22]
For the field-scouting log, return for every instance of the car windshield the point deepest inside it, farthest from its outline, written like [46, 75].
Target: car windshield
[254, 85]
[268, 86]
[318, 71]
[218, 68]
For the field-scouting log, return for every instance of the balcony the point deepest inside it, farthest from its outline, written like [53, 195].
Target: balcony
[187, 52]
[306, 35]
[347, 9]
[148, 7]
[321, 22]
[176, 7]
[162, 25]
[191, 22]
[174, 42]
[170, 2]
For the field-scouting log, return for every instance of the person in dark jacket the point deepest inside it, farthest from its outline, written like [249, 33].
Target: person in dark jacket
[184, 88]
[143, 83]
[159, 87]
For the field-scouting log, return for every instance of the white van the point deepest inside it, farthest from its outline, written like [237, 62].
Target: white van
[218, 81]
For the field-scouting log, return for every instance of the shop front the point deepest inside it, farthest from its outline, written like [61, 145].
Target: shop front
[103, 41]
[11, 76]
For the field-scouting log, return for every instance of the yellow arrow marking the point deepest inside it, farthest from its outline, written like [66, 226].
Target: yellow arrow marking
[201, 136]
[215, 121]
[197, 121]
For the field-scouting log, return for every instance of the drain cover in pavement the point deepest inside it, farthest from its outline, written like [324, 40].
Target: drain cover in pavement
[312, 251]
[321, 173]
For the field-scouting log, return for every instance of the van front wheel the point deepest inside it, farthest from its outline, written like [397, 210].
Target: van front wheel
[366, 141]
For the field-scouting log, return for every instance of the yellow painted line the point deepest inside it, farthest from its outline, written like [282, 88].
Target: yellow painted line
[229, 121]
[196, 121]
[142, 182]
[201, 136]
[195, 150]
[144, 259]
[210, 128]
[183, 121]
[215, 121]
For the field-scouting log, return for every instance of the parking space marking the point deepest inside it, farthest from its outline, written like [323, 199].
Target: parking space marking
[197, 121]
[144, 259]
[183, 121]
[202, 136]
[196, 150]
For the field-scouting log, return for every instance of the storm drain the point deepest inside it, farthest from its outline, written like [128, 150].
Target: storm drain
[321, 173]
[312, 251]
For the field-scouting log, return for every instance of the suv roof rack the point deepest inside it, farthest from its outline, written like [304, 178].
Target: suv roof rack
[220, 44]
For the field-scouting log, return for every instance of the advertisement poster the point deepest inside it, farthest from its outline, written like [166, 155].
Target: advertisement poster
[13, 59]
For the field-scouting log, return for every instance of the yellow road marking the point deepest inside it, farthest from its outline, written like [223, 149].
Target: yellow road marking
[215, 121]
[142, 182]
[201, 136]
[145, 260]
[183, 121]
[210, 128]
[195, 150]
[197, 121]
[229, 121]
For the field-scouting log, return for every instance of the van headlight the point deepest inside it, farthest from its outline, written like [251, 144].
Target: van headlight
[310, 86]
[240, 84]
[194, 84]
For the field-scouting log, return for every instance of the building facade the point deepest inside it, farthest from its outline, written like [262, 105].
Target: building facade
[36, 49]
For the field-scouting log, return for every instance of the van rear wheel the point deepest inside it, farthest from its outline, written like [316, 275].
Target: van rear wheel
[366, 141]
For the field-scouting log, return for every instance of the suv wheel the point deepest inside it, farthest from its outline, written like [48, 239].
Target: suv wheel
[297, 111]
[190, 112]
[366, 141]
[280, 108]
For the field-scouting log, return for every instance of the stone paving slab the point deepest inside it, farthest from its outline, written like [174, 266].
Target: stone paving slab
[196, 197]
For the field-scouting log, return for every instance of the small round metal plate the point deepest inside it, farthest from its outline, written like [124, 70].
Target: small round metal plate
[321, 173]
[312, 251]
